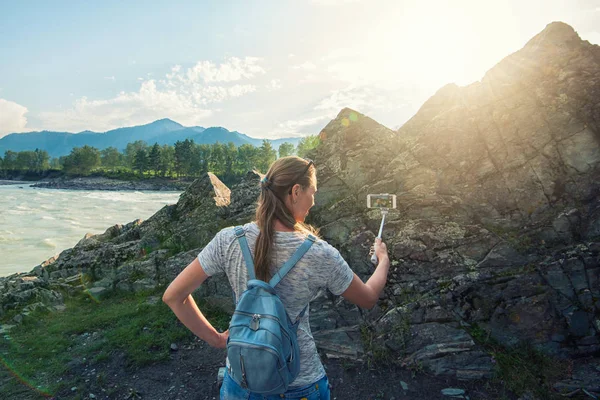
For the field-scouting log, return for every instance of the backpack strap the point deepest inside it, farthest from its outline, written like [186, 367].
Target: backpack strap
[292, 261]
[299, 317]
[241, 237]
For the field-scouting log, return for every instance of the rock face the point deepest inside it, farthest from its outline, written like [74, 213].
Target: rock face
[519, 145]
[498, 211]
[496, 230]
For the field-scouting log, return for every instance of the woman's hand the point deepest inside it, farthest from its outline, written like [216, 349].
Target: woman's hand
[221, 342]
[380, 249]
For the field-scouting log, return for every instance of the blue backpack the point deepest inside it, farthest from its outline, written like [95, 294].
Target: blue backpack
[262, 347]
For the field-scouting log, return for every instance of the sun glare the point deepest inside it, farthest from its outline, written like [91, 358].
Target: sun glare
[435, 45]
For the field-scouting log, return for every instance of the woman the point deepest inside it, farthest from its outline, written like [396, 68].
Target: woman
[287, 194]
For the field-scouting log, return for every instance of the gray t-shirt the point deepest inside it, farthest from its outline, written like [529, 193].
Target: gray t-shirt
[322, 267]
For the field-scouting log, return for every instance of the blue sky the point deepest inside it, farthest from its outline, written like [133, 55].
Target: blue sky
[264, 68]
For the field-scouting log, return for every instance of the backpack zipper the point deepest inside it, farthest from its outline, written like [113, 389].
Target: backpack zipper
[243, 369]
[258, 316]
[257, 347]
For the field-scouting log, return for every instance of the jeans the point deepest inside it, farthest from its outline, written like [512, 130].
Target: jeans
[319, 390]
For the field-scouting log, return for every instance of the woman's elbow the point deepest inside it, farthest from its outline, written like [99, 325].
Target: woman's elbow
[370, 305]
[369, 302]
[168, 297]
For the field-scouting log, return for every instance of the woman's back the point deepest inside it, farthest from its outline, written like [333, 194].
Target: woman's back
[322, 267]
[287, 194]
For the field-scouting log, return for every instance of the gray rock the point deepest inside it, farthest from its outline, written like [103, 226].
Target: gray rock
[452, 392]
[98, 292]
[579, 324]
[144, 284]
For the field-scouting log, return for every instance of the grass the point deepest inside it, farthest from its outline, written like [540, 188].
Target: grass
[375, 352]
[38, 352]
[522, 368]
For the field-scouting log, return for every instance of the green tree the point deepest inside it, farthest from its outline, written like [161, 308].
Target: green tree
[194, 162]
[140, 162]
[25, 160]
[167, 160]
[132, 149]
[55, 163]
[204, 154]
[286, 149]
[247, 158]
[82, 160]
[307, 144]
[41, 160]
[267, 155]
[183, 157]
[230, 158]
[154, 158]
[111, 157]
[10, 160]
[217, 158]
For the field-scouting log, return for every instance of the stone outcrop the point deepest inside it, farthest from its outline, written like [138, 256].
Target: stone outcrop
[498, 212]
[496, 230]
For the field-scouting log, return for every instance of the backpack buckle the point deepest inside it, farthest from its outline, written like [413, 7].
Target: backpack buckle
[239, 232]
[311, 238]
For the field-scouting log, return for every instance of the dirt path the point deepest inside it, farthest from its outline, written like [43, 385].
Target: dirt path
[191, 373]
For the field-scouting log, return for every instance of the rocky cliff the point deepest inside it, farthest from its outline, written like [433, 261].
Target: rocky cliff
[496, 231]
[498, 215]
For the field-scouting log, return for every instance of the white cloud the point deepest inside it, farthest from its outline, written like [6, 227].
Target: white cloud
[384, 105]
[12, 117]
[310, 125]
[109, 78]
[355, 98]
[307, 66]
[216, 94]
[185, 95]
[232, 70]
[275, 84]
[126, 109]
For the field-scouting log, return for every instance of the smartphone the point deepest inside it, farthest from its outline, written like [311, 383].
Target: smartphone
[383, 200]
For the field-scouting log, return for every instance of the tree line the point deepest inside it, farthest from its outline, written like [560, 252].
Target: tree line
[185, 159]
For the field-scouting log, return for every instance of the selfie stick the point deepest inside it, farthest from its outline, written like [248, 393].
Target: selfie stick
[384, 212]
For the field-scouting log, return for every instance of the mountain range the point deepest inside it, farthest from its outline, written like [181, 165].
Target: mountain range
[163, 131]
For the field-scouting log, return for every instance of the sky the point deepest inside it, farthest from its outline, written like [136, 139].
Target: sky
[269, 69]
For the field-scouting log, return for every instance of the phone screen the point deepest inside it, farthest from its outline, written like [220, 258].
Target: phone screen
[381, 201]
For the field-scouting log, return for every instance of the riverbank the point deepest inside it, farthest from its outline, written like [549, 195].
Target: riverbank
[37, 223]
[101, 183]
[5, 182]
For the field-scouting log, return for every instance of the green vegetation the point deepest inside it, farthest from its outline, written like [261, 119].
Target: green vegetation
[286, 149]
[522, 368]
[41, 350]
[307, 144]
[376, 353]
[184, 160]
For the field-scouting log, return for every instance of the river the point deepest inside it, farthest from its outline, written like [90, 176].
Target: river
[36, 224]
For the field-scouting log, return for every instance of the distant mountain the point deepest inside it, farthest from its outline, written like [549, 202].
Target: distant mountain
[163, 131]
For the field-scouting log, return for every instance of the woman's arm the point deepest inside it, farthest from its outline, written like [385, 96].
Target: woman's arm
[365, 295]
[178, 297]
